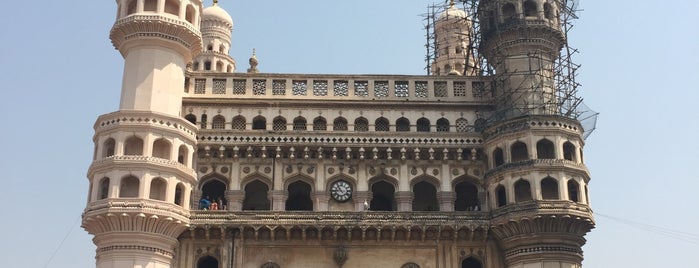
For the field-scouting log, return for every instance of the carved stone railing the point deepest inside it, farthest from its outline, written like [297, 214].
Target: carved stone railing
[146, 119]
[537, 163]
[140, 159]
[543, 207]
[156, 26]
[134, 205]
[534, 122]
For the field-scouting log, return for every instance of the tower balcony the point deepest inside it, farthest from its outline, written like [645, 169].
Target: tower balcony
[149, 29]
[130, 214]
[541, 165]
[140, 162]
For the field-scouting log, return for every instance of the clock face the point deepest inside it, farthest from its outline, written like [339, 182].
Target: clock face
[341, 191]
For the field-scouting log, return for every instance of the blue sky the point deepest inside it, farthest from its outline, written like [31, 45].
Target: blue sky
[639, 70]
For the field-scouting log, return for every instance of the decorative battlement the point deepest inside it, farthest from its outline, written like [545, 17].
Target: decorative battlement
[133, 161]
[143, 120]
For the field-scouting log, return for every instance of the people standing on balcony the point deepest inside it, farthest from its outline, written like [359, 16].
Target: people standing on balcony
[204, 203]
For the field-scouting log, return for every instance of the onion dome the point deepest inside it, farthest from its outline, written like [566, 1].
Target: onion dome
[452, 12]
[216, 13]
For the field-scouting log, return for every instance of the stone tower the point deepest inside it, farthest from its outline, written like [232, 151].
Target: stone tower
[537, 154]
[216, 28]
[143, 163]
[453, 36]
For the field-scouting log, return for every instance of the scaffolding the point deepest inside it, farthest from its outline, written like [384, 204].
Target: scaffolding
[548, 86]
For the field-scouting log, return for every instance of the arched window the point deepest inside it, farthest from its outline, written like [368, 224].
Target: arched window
[523, 191]
[587, 196]
[573, 191]
[219, 122]
[207, 65]
[207, 262]
[189, 15]
[519, 151]
[545, 149]
[158, 188]
[129, 187]
[213, 190]
[425, 197]
[381, 124]
[442, 125]
[501, 196]
[423, 125]
[172, 7]
[133, 146]
[238, 123]
[279, 124]
[361, 124]
[568, 151]
[466, 197]
[498, 157]
[191, 118]
[300, 123]
[471, 262]
[219, 66]
[259, 123]
[320, 124]
[549, 188]
[256, 196]
[548, 11]
[222, 49]
[509, 12]
[270, 265]
[461, 125]
[108, 148]
[103, 191]
[182, 154]
[150, 5]
[410, 265]
[132, 7]
[299, 196]
[340, 124]
[530, 8]
[382, 197]
[161, 149]
[203, 121]
[402, 124]
[179, 194]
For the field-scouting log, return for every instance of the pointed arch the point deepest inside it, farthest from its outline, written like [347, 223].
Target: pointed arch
[320, 124]
[162, 148]
[158, 189]
[179, 194]
[238, 123]
[402, 124]
[423, 125]
[501, 196]
[299, 196]
[573, 191]
[133, 146]
[219, 122]
[259, 123]
[545, 149]
[214, 187]
[190, 14]
[442, 125]
[383, 190]
[191, 118]
[523, 191]
[203, 122]
[381, 124]
[549, 189]
[256, 195]
[425, 196]
[461, 125]
[207, 262]
[103, 190]
[569, 151]
[108, 148]
[509, 12]
[519, 152]
[530, 8]
[182, 154]
[471, 262]
[129, 187]
[467, 197]
[340, 124]
[498, 157]
[361, 124]
[172, 7]
[299, 123]
[279, 123]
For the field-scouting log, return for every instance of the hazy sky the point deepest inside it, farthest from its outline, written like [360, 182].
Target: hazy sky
[639, 59]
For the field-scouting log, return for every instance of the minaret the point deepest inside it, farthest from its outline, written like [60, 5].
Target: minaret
[537, 180]
[142, 175]
[453, 35]
[216, 28]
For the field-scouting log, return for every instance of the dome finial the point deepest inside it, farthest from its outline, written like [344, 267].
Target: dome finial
[253, 63]
[215, 2]
[451, 3]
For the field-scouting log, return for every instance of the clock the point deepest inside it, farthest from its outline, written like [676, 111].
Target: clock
[341, 191]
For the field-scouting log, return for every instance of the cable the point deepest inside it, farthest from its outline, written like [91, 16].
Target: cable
[62, 241]
[679, 235]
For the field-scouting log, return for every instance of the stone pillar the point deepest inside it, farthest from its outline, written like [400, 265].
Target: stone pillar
[446, 201]
[404, 201]
[320, 200]
[235, 199]
[359, 199]
[278, 200]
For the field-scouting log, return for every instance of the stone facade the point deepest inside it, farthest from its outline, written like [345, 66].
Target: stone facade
[335, 170]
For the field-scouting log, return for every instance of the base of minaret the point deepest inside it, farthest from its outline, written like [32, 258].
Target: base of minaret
[128, 250]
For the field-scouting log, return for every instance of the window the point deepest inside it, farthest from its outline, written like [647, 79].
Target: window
[161, 149]
[320, 124]
[179, 194]
[466, 197]
[189, 15]
[519, 152]
[259, 123]
[129, 187]
[108, 148]
[442, 125]
[545, 149]
[462, 125]
[256, 196]
[191, 118]
[158, 187]
[172, 7]
[471, 262]
[381, 124]
[402, 124]
[498, 157]
[213, 190]
[300, 124]
[182, 154]
[299, 196]
[203, 121]
[207, 262]
[509, 12]
[219, 122]
[423, 125]
[549, 189]
[238, 123]
[569, 151]
[382, 197]
[133, 146]
[340, 124]
[103, 191]
[425, 197]
[501, 196]
[523, 191]
[150, 5]
[530, 8]
[279, 124]
[573, 191]
[548, 11]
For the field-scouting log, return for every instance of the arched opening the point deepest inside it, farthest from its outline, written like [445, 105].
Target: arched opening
[509, 12]
[423, 125]
[519, 151]
[573, 191]
[523, 191]
[442, 125]
[150, 6]
[548, 11]
[498, 157]
[189, 14]
[207, 262]
[133, 146]
[425, 197]
[108, 148]
[587, 196]
[461, 125]
[259, 123]
[501, 196]
[191, 118]
[471, 262]
[219, 122]
[229, 68]
[172, 7]
[129, 187]
[299, 196]
[549, 189]
[300, 124]
[182, 154]
[210, 47]
[530, 8]
[222, 49]
[103, 191]
[179, 194]
[214, 191]
[219, 66]
[158, 188]
[402, 124]
[340, 124]
[466, 197]
[132, 7]
[410, 265]
[207, 64]
[279, 124]
[361, 124]
[381, 124]
[161, 149]
[545, 149]
[320, 124]
[568, 151]
[256, 196]
[203, 122]
[383, 197]
[238, 123]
